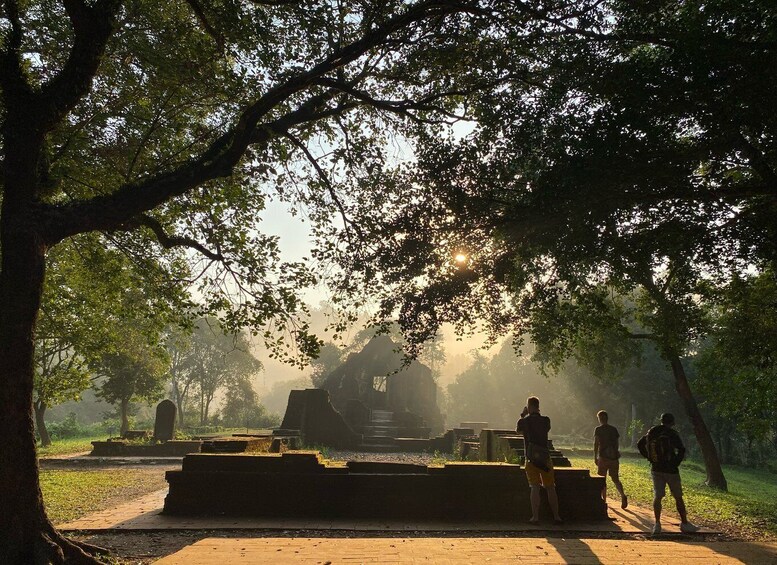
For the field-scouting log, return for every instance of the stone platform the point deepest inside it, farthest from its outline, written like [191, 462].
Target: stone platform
[126, 448]
[507, 445]
[238, 443]
[300, 485]
[145, 514]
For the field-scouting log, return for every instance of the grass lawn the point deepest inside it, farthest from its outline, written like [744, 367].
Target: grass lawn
[748, 508]
[69, 446]
[71, 494]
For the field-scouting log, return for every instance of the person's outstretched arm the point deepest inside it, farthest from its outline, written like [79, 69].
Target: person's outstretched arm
[679, 447]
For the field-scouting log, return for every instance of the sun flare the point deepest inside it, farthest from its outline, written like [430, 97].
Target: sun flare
[460, 258]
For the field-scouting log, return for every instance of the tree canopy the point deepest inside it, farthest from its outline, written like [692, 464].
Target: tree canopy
[635, 158]
[736, 365]
[87, 306]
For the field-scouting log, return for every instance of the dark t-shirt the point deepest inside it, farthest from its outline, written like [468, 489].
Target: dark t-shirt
[534, 428]
[608, 441]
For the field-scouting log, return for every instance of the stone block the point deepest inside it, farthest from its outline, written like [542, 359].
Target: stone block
[476, 426]
[299, 486]
[237, 445]
[174, 448]
[316, 421]
[164, 421]
[386, 468]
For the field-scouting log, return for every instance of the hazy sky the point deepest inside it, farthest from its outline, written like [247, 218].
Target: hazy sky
[294, 242]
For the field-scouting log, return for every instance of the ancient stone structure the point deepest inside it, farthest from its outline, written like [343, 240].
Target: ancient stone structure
[310, 414]
[164, 422]
[380, 398]
[123, 448]
[300, 485]
[476, 426]
[507, 445]
[140, 443]
[238, 443]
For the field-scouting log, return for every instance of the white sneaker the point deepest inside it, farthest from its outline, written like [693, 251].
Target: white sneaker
[688, 528]
[657, 528]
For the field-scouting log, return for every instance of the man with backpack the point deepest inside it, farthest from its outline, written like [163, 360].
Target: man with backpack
[539, 465]
[664, 449]
[607, 455]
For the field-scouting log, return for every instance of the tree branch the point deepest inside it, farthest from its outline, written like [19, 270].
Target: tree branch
[93, 26]
[217, 36]
[170, 241]
[325, 180]
[12, 76]
[111, 211]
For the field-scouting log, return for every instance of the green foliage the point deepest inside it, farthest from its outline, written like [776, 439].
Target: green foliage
[199, 118]
[737, 365]
[71, 446]
[69, 495]
[85, 311]
[329, 357]
[636, 427]
[136, 374]
[626, 162]
[241, 406]
[592, 326]
[70, 427]
[592, 197]
[495, 390]
[209, 360]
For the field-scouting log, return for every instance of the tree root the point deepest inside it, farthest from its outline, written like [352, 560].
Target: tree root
[52, 548]
[90, 548]
[78, 552]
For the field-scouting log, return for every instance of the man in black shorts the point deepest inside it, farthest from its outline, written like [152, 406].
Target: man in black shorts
[664, 449]
[607, 455]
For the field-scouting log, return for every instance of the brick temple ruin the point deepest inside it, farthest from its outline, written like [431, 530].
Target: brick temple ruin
[302, 485]
[372, 402]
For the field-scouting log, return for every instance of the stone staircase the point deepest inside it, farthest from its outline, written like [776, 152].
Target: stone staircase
[379, 434]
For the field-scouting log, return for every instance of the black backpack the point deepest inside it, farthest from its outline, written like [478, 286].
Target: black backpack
[659, 446]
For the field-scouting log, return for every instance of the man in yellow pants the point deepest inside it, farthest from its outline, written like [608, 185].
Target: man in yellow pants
[539, 466]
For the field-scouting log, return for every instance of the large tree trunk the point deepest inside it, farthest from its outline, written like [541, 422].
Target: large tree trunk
[21, 286]
[715, 477]
[26, 534]
[180, 402]
[207, 409]
[40, 422]
[181, 423]
[124, 410]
